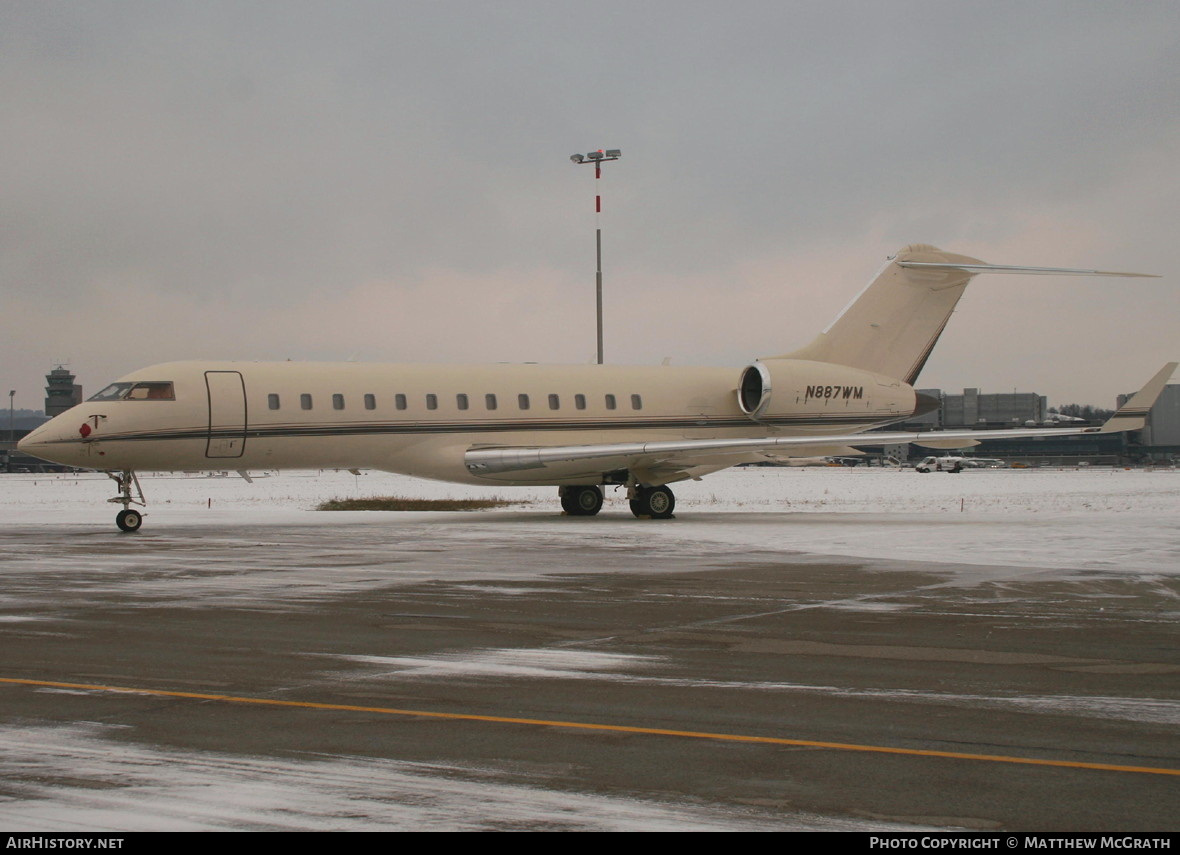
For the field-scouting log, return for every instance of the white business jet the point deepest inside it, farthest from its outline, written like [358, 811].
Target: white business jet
[577, 427]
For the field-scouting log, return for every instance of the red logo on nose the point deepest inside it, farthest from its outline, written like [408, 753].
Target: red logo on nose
[84, 430]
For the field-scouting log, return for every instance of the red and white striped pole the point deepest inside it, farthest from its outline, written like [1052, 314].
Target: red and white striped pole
[598, 158]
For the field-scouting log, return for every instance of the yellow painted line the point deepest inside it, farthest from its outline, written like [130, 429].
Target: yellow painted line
[612, 728]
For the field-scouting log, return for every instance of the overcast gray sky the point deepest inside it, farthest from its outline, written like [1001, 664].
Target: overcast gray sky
[389, 181]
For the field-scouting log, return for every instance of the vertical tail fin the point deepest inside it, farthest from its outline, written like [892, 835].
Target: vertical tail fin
[894, 323]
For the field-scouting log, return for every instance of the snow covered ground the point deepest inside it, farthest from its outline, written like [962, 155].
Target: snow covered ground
[978, 525]
[1099, 518]
[171, 790]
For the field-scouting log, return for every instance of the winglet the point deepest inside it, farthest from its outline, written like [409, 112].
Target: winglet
[1133, 414]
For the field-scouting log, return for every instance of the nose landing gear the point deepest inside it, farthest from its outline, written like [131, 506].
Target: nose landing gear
[128, 519]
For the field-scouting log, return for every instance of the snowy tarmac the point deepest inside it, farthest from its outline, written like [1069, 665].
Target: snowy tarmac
[1027, 615]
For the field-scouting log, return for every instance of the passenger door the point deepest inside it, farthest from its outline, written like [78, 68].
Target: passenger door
[227, 414]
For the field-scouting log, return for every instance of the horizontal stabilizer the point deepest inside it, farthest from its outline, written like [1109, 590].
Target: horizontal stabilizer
[1013, 268]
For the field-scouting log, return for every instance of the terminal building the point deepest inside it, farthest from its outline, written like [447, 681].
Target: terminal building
[1162, 434]
[1158, 441]
[975, 409]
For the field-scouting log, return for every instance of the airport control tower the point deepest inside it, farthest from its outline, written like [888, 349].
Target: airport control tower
[61, 392]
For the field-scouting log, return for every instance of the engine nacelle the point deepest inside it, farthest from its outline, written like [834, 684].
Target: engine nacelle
[800, 391]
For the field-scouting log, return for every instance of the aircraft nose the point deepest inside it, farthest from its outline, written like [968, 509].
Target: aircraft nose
[52, 441]
[34, 442]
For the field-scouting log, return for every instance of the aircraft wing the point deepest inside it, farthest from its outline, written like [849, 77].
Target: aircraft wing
[674, 460]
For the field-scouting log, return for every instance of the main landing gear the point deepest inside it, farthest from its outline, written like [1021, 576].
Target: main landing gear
[585, 500]
[655, 503]
[581, 500]
[128, 519]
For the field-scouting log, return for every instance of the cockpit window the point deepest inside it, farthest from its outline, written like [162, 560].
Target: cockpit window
[160, 391]
[114, 392]
[151, 392]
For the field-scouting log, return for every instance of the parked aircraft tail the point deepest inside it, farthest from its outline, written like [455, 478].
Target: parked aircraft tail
[894, 323]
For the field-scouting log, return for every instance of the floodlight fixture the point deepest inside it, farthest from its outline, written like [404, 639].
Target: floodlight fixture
[599, 156]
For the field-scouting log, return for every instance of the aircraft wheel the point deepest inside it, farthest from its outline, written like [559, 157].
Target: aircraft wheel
[582, 500]
[129, 520]
[655, 502]
[567, 502]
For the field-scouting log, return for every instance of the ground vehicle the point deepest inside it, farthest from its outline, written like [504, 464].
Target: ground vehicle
[945, 464]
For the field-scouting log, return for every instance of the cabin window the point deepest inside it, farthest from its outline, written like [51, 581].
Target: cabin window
[399, 401]
[461, 401]
[370, 402]
[272, 401]
[337, 402]
[580, 401]
[636, 402]
[610, 402]
[432, 401]
[305, 401]
[489, 401]
[522, 401]
[554, 402]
